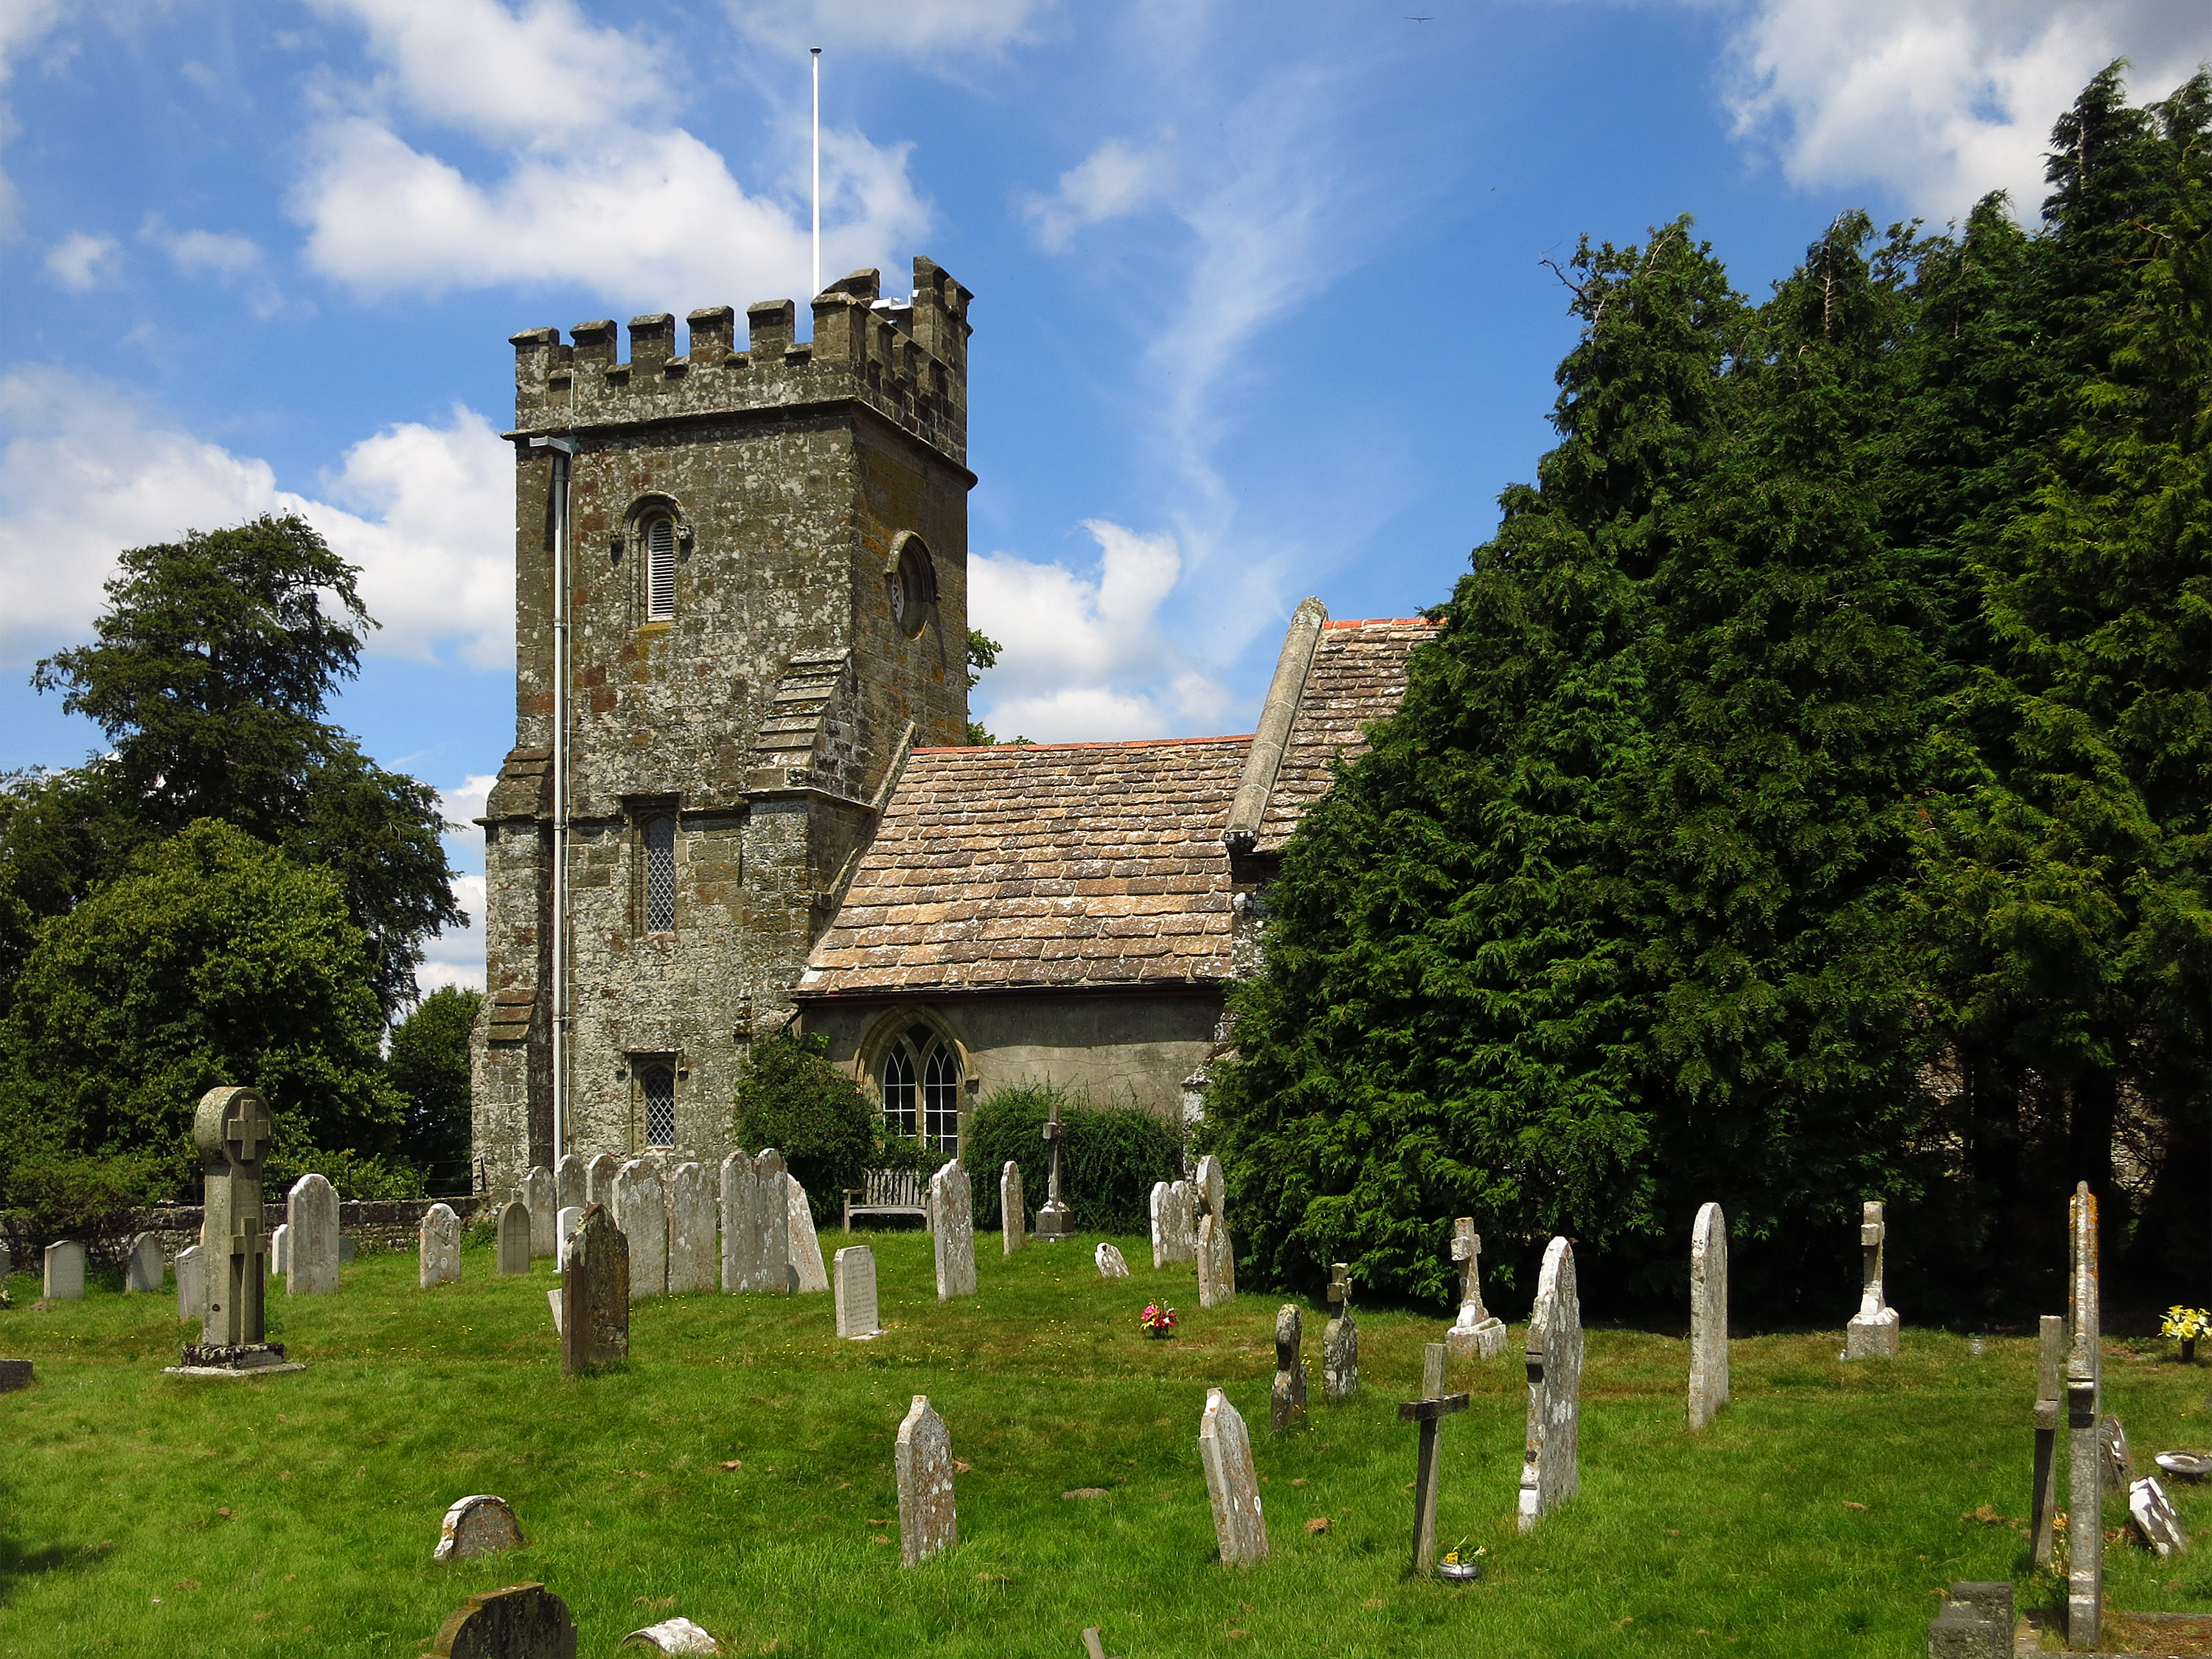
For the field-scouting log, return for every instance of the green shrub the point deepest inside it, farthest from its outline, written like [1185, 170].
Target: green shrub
[95, 1200]
[790, 1097]
[362, 1177]
[1108, 1159]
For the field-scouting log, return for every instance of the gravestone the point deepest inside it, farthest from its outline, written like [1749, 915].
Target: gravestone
[1975, 1623]
[232, 1131]
[349, 1250]
[952, 1216]
[691, 1210]
[6, 1264]
[678, 1635]
[2049, 1406]
[1217, 1256]
[1873, 1332]
[1013, 1210]
[1111, 1262]
[65, 1272]
[1709, 1316]
[640, 1211]
[542, 1197]
[17, 1374]
[756, 1224]
[572, 1187]
[807, 1272]
[482, 1524]
[312, 1258]
[564, 1229]
[599, 1171]
[143, 1266]
[2085, 1541]
[2119, 1467]
[1054, 1218]
[191, 1283]
[1232, 1482]
[856, 1293]
[1474, 1333]
[927, 1523]
[2154, 1517]
[1430, 1413]
[438, 1242]
[523, 1621]
[1156, 1208]
[513, 1239]
[1550, 1475]
[1286, 1401]
[1181, 1222]
[594, 1294]
[280, 1249]
[1339, 1340]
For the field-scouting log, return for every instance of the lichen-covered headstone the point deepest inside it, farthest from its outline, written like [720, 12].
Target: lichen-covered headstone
[143, 1266]
[1873, 1331]
[2154, 1517]
[1550, 1475]
[1217, 1256]
[2085, 1544]
[513, 1238]
[1013, 1210]
[1339, 1340]
[542, 1198]
[927, 1523]
[1474, 1333]
[1110, 1261]
[1287, 1401]
[438, 1244]
[856, 1293]
[312, 1261]
[65, 1272]
[599, 1172]
[952, 1212]
[191, 1283]
[1709, 1316]
[807, 1272]
[1232, 1482]
[1182, 1227]
[756, 1224]
[523, 1621]
[479, 1525]
[594, 1294]
[232, 1132]
[640, 1211]
[572, 1188]
[691, 1214]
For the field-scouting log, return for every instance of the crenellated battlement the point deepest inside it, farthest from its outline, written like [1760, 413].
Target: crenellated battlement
[908, 359]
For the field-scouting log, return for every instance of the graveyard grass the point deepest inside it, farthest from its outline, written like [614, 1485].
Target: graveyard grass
[738, 1471]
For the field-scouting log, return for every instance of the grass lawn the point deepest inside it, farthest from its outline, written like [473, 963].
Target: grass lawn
[140, 1514]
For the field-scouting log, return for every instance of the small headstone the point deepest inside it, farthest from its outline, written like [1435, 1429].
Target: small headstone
[1182, 1221]
[640, 1211]
[349, 1249]
[572, 1187]
[594, 1294]
[1550, 1475]
[15, 1373]
[856, 1293]
[673, 1636]
[143, 1266]
[599, 1172]
[2155, 1517]
[927, 1523]
[553, 1301]
[513, 1239]
[1709, 1333]
[2119, 1467]
[438, 1242]
[1474, 1333]
[280, 1249]
[1873, 1332]
[1013, 1210]
[1111, 1263]
[1287, 1401]
[482, 1525]
[1976, 1623]
[1339, 1340]
[2085, 1546]
[312, 1253]
[523, 1621]
[191, 1283]
[1232, 1482]
[952, 1211]
[1157, 1210]
[1054, 1220]
[691, 1214]
[542, 1196]
[64, 1275]
[807, 1272]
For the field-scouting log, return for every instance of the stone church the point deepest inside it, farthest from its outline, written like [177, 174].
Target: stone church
[741, 624]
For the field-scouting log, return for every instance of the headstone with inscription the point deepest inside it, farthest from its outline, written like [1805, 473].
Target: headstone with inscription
[438, 1244]
[513, 1238]
[1181, 1222]
[1232, 1482]
[641, 1210]
[312, 1261]
[807, 1272]
[928, 1524]
[1013, 1210]
[1550, 1473]
[1054, 1218]
[523, 1621]
[756, 1223]
[2085, 1538]
[542, 1196]
[691, 1214]
[572, 1187]
[1474, 1333]
[594, 1294]
[1339, 1340]
[1286, 1401]
[952, 1212]
[1873, 1332]
[63, 1280]
[1709, 1316]
[143, 1266]
[855, 1281]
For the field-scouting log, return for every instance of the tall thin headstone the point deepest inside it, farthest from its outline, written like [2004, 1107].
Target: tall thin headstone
[640, 1211]
[599, 1172]
[1286, 1401]
[438, 1242]
[1013, 1210]
[2050, 1408]
[927, 1521]
[953, 1205]
[856, 1293]
[232, 1131]
[1873, 1331]
[312, 1266]
[143, 1266]
[280, 1249]
[191, 1282]
[690, 1229]
[1339, 1340]
[1709, 1316]
[1550, 1475]
[776, 1275]
[594, 1294]
[1232, 1482]
[1054, 1219]
[1182, 1221]
[1217, 1256]
[572, 1187]
[2085, 1530]
[1474, 1333]
[63, 1280]
[807, 1272]
[513, 1238]
[543, 1196]
[1158, 1209]
[741, 1240]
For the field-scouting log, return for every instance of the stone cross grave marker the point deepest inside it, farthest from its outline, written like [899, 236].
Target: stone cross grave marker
[1054, 1218]
[1013, 1210]
[2050, 1406]
[1474, 1333]
[232, 1131]
[1232, 1482]
[807, 1272]
[641, 1212]
[952, 1212]
[927, 1523]
[1111, 1263]
[514, 1236]
[1873, 1331]
[143, 1266]
[599, 1172]
[191, 1283]
[477, 1525]
[1550, 1475]
[2085, 1537]
[594, 1294]
[438, 1242]
[312, 1261]
[691, 1217]
[1286, 1401]
[1430, 1413]
[280, 1249]
[543, 1196]
[1709, 1316]
[856, 1293]
[65, 1272]
[1339, 1340]
[523, 1621]
[571, 1185]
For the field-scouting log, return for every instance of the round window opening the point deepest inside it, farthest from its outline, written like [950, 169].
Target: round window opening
[913, 584]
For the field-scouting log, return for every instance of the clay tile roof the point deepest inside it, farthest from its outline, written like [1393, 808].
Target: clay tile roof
[1357, 677]
[1041, 864]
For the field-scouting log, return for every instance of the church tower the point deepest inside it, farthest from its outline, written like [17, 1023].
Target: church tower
[766, 563]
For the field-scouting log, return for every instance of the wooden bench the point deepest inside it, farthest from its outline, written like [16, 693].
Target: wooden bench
[885, 1193]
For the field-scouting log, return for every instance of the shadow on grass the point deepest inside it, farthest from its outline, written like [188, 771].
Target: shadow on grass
[20, 1564]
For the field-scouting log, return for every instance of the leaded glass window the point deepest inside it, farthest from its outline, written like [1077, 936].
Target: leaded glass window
[920, 1080]
[898, 1090]
[660, 876]
[660, 1085]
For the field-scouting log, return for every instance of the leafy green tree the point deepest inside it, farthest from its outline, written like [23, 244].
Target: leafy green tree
[982, 653]
[427, 1061]
[790, 1097]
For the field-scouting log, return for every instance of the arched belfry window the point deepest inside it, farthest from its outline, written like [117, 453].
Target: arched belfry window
[659, 568]
[660, 875]
[659, 1082]
[920, 1078]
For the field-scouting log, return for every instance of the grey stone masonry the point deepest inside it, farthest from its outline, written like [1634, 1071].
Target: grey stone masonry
[1232, 1482]
[691, 1217]
[927, 1521]
[1975, 1623]
[541, 1195]
[952, 1220]
[1474, 1333]
[640, 1211]
[143, 1266]
[312, 1265]
[477, 1525]
[855, 1280]
[1551, 1474]
[65, 1272]
[1709, 1316]
[1339, 1340]
[1216, 1254]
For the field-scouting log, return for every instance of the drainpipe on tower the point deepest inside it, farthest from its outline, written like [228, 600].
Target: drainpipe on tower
[564, 450]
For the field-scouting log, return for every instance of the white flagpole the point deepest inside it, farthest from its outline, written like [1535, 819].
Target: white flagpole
[817, 53]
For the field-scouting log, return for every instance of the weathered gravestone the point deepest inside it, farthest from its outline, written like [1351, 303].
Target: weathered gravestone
[594, 1294]
[1217, 1257]
[513, 1238]
[1429, 1411]
[232, 1131]
[640, 1211]
[2119, 1467]
[17, 1374]
[1709, 1316]
[1054, 1218]
[691, 1209]
[1156, 1208]
[65, 1272]
[540, 1195]
[927, 1523]
[2085, 1538]
[1474, 1333]
[1232, 1482]
[1975, 1623]
[952, 1220]
[572, 1187]
[1550, 1475]
[807, 1272]
[1111, 1263]
[438, 1247]
[1339, 1340]
[2049, 1407]
[312, 1259]
[280, 1249]
[678, 1636]
[191, 1283]
[479, 1525]
[143, 1266]
[523, 1621]
[1181, 1222]
[756, 1223]
[564, 1229]
[599, 1172]
[1286, 1401]
[1873, 1332]
[2154, 1517]
[1013, 1210]
[856, 1293]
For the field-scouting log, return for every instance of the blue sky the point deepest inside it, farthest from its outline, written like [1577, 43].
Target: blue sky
[1261, 310]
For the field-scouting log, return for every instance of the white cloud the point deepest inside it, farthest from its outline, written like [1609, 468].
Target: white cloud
[456, 957]
[929, 29]
[1944, 99]
[233, 262]
[81, 262]
[1114, 179]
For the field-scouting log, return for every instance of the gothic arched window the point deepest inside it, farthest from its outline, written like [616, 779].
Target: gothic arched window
[660, 876]
[659, 1082]
[920, 1078]
[659, 568]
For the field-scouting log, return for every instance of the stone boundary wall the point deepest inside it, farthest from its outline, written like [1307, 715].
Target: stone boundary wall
[385, 1223]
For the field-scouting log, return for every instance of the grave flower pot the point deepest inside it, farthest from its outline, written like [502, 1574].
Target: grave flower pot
[2189, 1350]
